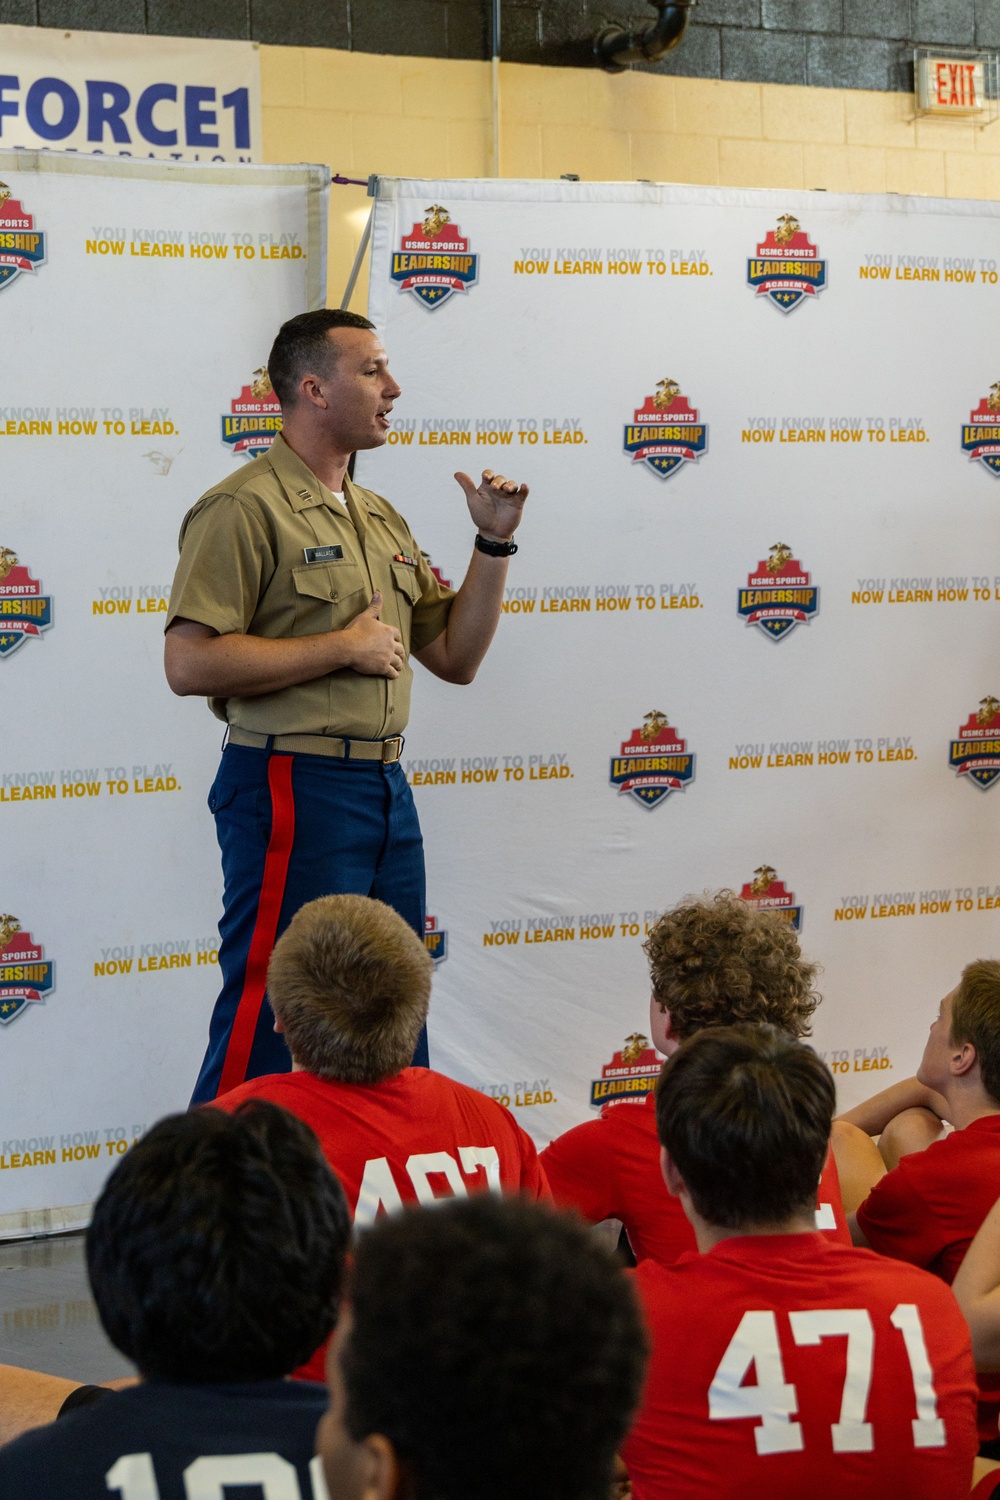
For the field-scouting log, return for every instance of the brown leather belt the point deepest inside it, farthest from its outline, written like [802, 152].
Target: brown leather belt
[387, 751]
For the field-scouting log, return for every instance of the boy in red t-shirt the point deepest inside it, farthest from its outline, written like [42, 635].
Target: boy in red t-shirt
[784, 1364]
[927, 1209]
[713, 962]
[349, 983]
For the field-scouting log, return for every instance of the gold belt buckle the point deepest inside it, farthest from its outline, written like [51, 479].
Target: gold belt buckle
[392, 749]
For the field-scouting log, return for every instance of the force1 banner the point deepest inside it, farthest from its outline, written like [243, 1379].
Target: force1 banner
[95, 92]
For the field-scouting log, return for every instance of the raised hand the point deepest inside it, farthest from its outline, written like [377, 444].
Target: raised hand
[495, 505]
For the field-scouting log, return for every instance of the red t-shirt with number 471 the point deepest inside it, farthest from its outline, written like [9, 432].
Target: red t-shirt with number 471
[788, 1366]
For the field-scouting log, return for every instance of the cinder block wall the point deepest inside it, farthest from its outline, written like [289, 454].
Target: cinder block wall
[430, 117]
[760, 93]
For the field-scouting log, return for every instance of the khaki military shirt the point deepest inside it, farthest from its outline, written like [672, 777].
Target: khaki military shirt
[243, 571]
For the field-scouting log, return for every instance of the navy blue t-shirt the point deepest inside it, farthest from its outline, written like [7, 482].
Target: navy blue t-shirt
[250, 1441]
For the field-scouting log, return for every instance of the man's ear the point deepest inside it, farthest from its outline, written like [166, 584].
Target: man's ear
[963, 1059]
[278, 1027]
[383, 1476]
[671, 1176]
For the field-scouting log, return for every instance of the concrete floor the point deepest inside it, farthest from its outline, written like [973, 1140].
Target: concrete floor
[48, 1320]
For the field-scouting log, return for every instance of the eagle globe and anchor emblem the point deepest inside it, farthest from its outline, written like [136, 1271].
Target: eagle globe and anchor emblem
[778, 594]
[26, 975]
[654, 761]
[787, 267]
[765, 892]
[22, 246]
[24, 610]
[254, 417]
[975, 754]
[666, 431]
[631, 1074]
[434, 259]
[981, 434]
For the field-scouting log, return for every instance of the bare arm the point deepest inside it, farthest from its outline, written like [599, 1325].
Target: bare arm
[29, 1399]
[198, 661]
[874, 1114]
[977, 1288]
[455, 655]
[859, 1163]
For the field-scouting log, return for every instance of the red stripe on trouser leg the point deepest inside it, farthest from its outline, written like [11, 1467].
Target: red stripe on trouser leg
[272, 892]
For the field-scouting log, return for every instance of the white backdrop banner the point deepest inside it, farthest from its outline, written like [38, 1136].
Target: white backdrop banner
[128, 389]
[107, 94]
[750, 638]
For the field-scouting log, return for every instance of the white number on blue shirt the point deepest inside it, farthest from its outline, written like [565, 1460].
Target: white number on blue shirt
[207, 1478]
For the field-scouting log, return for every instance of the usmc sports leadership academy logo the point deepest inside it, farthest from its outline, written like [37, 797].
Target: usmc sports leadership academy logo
[766, 892]
[254, 419]
[981, 434]
[976, 752]
[435, 940]
[434, 260]
[787, 266]
[778, 595]
[629, 1076]
[666, 431]
[24, 609]
[26, 976]
[653, 762]
[22, 246]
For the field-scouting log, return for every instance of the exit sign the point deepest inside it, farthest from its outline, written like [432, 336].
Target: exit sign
[951, 86]
[950, 82]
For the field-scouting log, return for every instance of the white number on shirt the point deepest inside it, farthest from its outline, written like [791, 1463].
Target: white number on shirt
[379, 1189]
[852, 1434]
[133, 1475]
[928, 1428]
[755, 1343]
[208, 1478]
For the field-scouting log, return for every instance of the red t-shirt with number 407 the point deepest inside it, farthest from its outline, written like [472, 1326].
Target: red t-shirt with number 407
[789, 1366]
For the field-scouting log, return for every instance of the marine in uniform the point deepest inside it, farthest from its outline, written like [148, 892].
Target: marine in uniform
[298, 600]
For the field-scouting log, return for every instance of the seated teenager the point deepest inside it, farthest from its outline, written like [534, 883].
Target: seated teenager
[784, 1364]
[349, 983]
[713, 962]
[489, 1350]
[215, 1256]
[927, 1209]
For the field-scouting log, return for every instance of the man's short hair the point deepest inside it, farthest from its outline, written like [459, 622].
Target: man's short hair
[216, 1250]
[499, 1348]
[745, 1115]
[975, 1018]
[717, 961]
[350, 982]
[302, 348]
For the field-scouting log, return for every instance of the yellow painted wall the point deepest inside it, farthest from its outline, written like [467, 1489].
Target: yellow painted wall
[430, 117]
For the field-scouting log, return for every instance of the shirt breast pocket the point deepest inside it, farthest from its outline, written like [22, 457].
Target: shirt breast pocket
[407, 592]
[327, 595]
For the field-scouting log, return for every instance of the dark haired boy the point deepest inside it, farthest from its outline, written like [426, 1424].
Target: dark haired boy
[298, 600]
[713, 961]
[216, 1256]
[784, 1364]
[490, 1349]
